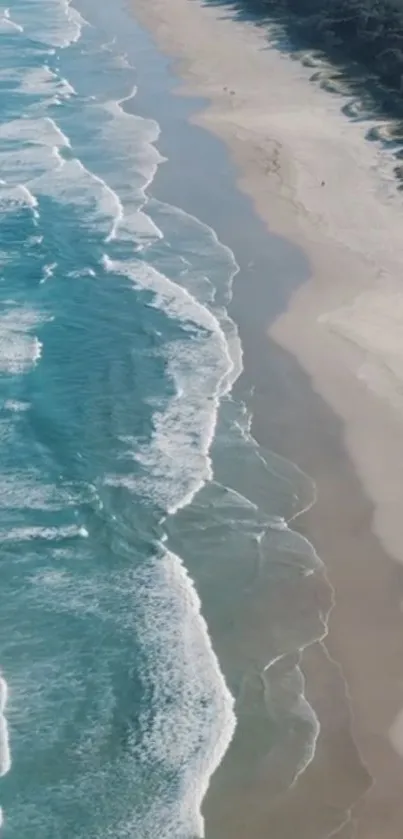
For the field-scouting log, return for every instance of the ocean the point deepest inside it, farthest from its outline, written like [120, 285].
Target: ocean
[144, 532]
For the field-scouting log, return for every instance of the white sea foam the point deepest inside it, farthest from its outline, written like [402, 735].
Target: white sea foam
[28, 534]
[26, 163]
[31, 149]
[65, 88]
[19, 348]
[82, 272]
[142, 156]
[27, 490]
[177, 462]
[43, 82]
[7, 25]
[16, 406]
[171, 297]
[37, 82]
[119, 59]
[202, 366]
[211, 262]
[33, 152]
[71, 183]
[193, 720]
[292, 703]
[58, 25]
[41, 132]
[16, 197]
[5, 754]
[132, 139]
[188, 721]
[209, 273]
[48, 271]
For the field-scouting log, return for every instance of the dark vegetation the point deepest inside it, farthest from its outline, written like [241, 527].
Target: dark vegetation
[365, 34]
[368, 31]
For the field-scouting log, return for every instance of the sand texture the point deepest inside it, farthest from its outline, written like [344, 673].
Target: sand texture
[315, 178]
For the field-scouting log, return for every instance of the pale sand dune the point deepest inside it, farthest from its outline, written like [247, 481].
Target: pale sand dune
[345, 326]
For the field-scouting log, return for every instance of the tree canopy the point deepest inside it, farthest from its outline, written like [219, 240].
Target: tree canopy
[369, 32]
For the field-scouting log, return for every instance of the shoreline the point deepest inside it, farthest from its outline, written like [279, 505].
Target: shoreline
[344, 361]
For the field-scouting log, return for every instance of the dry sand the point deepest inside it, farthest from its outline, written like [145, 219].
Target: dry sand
[345, 327]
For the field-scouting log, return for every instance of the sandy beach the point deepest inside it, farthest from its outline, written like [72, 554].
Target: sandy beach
[314, 178]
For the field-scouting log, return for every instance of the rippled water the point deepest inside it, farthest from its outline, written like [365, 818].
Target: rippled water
[130, 486]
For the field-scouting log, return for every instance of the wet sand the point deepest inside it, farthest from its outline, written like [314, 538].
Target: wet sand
[343, 326]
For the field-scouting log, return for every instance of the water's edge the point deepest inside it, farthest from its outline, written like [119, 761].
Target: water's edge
[150, 537]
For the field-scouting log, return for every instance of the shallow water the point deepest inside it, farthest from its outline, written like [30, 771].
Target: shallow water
[142, 527]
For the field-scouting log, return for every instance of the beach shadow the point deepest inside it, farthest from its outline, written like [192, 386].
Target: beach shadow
[334, 69]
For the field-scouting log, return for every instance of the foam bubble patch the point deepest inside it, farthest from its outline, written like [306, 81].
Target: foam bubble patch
[19, 348]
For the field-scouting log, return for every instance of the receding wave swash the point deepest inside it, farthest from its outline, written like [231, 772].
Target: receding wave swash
[117, 360]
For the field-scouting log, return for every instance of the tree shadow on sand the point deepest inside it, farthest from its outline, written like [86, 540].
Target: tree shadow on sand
[341, 61]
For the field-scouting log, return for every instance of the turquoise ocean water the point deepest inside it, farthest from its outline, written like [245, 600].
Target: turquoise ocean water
[137, 514]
